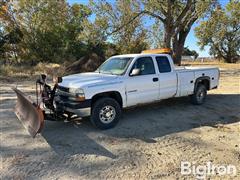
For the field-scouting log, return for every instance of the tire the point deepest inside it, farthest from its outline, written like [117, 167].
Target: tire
[199, 95]
[105, 113]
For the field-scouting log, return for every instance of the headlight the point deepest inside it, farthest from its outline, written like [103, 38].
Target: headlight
[78, 92]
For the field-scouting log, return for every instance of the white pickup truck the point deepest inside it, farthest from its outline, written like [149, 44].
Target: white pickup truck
[128, 80]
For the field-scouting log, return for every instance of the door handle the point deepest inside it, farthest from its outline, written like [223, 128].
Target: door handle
[155, 79]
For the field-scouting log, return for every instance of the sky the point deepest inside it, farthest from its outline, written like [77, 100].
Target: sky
[191, 40]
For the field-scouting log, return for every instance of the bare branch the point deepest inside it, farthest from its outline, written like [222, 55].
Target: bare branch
[135, 17]
[186, 24]
[184, 12]
[125, 24]
[161, 8]
[154, 15]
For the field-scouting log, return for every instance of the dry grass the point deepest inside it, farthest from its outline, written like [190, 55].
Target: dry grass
[216, 63]
[26, 71]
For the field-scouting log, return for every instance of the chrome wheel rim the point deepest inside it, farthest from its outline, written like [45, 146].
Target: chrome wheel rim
[107, 114]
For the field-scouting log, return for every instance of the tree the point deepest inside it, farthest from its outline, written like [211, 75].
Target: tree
[128, 37]
[155, 35]
[177, 17]
[94, 36]
[222, 32]
[2, 42]
[50, 29]
[188, 52]
[11, 35]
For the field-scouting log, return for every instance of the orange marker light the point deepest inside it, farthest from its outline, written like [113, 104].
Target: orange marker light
[157, 51]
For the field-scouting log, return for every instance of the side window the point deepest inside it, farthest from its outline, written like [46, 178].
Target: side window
[163, 64]
[145, 65]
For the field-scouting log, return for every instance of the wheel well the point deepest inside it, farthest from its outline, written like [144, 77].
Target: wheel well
[112, 94]
[203, 81]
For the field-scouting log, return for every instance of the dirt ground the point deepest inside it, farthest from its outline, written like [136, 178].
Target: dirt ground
[148, 143]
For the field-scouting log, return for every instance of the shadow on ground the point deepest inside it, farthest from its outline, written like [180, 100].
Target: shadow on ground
[144, 123]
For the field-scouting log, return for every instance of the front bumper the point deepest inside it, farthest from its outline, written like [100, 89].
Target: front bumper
[83, 112]
[80, 108]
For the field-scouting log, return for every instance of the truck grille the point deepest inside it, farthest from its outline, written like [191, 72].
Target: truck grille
[63, 94]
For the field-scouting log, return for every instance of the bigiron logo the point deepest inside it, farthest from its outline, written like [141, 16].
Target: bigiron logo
[208, 169]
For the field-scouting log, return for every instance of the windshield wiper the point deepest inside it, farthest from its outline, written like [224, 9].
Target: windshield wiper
[111, 72]
[105, 72]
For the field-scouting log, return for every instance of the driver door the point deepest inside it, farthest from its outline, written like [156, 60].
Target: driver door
[144, 87]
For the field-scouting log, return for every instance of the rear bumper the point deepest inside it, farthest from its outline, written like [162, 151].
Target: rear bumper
[80, 108]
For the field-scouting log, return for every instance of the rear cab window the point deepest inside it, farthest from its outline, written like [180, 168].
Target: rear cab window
[163, 64]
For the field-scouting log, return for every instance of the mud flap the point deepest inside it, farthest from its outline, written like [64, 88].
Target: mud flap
[29, 113]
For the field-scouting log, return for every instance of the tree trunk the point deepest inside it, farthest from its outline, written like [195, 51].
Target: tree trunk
[167, 36]
[15, 53]
[177, 53]
[178, 45]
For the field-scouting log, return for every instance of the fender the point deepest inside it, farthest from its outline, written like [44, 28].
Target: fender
[200, 79]
[113, 94]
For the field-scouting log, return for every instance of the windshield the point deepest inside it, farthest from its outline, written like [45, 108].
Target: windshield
[116, 66]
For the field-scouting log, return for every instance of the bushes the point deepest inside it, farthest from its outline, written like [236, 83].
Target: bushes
[42, 31]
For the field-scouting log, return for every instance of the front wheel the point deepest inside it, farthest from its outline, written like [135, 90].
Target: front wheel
[199, 95]
[105, 113]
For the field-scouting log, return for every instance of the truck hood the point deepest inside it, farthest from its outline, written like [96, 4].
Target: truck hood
[82, 80]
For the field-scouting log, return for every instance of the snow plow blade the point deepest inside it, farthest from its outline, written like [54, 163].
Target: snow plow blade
[29, 113]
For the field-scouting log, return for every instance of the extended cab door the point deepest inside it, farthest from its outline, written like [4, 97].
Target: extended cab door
[144, 87]
[167, 78]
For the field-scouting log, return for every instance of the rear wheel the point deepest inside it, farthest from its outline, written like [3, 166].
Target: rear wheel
[199, 95]
[105, 113]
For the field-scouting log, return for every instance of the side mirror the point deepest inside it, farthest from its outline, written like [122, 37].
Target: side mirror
[135, 72]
